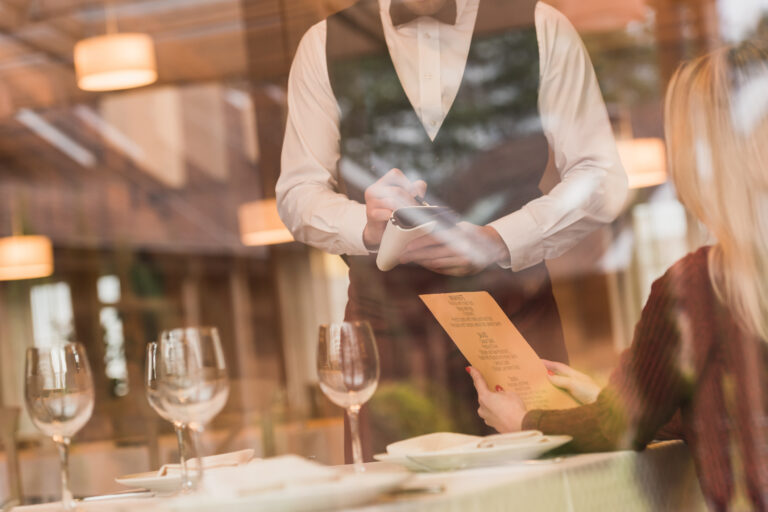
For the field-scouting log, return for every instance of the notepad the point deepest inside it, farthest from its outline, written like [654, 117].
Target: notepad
[493, 345]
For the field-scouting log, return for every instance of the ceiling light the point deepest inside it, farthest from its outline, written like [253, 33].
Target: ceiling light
[645, 161]
[260, 224]
[115, 61]
[25, 257]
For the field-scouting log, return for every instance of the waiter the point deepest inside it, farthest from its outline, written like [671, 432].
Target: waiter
[460, 102]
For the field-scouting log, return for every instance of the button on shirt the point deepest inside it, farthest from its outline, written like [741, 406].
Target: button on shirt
[430, 58]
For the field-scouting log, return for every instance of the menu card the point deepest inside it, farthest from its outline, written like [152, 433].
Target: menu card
[494, 346]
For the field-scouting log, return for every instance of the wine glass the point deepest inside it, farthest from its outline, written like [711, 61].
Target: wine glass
[153, 397]
[58, 392]
[192, 378]
[348, 372]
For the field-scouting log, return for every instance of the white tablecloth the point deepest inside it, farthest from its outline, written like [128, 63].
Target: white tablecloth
[660, 478]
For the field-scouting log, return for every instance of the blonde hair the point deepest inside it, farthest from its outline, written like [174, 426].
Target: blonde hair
[717, 138]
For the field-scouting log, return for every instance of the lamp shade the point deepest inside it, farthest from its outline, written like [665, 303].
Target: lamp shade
[115, 61]
[645, 161]
[260, 224]
[25, 257]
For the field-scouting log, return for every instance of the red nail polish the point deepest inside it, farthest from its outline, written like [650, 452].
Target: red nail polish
[469, 369]
[499, 388]
[550, 372]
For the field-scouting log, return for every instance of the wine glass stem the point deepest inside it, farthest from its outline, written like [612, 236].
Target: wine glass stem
[353, 413]
[186, 481]
[195, 433]
[66, 495]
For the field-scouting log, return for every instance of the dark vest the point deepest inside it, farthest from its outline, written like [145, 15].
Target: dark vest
[486, 162]
[490, 153]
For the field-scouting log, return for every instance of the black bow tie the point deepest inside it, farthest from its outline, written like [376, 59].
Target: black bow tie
[401, 14]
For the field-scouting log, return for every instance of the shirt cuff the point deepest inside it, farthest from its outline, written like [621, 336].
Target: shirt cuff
[532, 419]
[351, 227]
[523, 239]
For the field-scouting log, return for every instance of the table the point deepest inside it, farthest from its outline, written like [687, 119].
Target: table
[94, 465]
[660, 478]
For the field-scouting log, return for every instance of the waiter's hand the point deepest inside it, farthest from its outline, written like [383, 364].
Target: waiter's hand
[502, 410]
[394, 190]
[463, 250]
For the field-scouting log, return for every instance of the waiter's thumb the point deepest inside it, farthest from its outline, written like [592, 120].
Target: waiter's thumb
[420, 186]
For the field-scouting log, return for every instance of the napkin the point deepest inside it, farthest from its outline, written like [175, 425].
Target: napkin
[263, 475]
[211, 462]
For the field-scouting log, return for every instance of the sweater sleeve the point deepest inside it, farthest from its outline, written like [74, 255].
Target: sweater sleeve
[653, 377]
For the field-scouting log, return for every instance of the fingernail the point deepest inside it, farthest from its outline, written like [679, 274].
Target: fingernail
[499, 388]
[550, 372]
[469, 369]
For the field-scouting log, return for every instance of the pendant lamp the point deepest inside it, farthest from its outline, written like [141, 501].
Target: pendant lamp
[260, 224]
[115, 61]
[25, 257]
[645, 160]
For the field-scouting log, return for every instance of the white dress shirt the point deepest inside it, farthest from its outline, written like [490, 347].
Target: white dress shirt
[430, 58]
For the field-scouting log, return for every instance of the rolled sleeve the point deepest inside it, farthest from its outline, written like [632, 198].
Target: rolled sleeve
[307, 197]
[593, 183]
[522, 237]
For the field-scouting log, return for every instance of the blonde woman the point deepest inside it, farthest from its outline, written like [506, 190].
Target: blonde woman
[700, 346]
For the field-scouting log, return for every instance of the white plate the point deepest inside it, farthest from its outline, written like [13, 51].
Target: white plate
[400, 460]
[152, 482]
[434, 442]
[348, 491]
[448, 460]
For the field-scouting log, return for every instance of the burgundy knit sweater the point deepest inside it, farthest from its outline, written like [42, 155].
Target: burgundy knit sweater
[688, 354]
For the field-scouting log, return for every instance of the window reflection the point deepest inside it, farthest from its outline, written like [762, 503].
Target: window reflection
[52, 316]
[114, 356]
[108, 289]
[160, 202]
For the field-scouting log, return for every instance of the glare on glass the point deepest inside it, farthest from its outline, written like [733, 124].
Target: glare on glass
[58, 390]
[348, 372]
[191, 377]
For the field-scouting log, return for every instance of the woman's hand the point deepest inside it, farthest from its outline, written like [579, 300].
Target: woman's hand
[502, 410]
[579, 385]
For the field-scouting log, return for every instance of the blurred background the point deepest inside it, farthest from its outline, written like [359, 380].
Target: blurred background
[153, 207]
